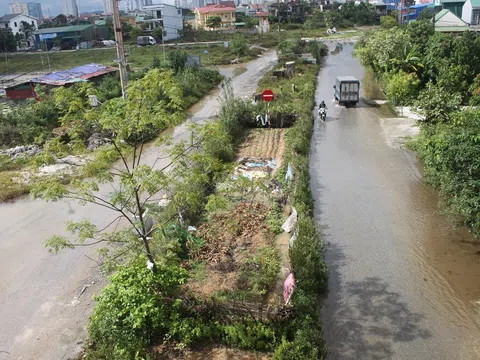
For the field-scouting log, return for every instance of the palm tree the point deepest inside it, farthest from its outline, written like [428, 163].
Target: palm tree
[409, 62]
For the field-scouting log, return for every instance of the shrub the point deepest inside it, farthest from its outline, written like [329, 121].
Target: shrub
[138, 306]
[388, 22]
[178, 59]
[436, 105]
[239, 45]
[401, 88]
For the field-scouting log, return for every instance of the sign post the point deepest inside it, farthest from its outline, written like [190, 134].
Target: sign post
[268, 96]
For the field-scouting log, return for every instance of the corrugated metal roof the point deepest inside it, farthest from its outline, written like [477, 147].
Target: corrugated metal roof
[78, 74]
[475, 3]
[63, 29]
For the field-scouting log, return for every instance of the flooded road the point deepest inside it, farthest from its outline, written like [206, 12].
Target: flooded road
[404, 284]
[45, 299]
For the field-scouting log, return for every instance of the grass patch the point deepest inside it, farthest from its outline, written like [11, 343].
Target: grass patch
[9, 189]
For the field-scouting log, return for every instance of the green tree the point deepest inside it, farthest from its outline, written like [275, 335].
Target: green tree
[214, 22]
[436, 105]
[315, 21]
[178, 59]
[135, 32]
[250, 22]
[388, 22]
[154, 102]
[7, 41]
[239, 45]
[401, 88]
[27, 30]
[157, 33]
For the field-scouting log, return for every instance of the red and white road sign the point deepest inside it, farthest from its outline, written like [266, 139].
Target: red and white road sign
[267, 95]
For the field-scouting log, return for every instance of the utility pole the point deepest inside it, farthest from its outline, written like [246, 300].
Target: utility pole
[6, 56]
[122, 62]
[278, 14]
[48, 56]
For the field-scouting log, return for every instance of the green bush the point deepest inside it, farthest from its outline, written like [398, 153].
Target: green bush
[138, 306]
[249, 335]
[450, 151]
[388, 22]
[401, 88]
[197, 82]
[239, 45]
[178, 59]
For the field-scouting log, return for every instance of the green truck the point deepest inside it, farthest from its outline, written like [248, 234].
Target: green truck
[347, 90]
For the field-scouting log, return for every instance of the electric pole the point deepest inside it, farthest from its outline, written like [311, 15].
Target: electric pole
[278, 14]
[122, 62]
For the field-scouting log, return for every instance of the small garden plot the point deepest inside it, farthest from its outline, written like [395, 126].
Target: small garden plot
[264, 144]
[239, 259]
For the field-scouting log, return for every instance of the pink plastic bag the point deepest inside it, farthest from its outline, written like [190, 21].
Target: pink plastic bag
[288, 287]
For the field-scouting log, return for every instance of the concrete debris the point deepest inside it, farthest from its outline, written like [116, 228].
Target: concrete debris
[95, 141]
[21, 151]
[290, 223]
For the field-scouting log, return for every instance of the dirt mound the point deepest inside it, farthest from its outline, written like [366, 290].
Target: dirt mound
[230, 238]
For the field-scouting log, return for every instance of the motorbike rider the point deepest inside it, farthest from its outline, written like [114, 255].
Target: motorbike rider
[322, 106]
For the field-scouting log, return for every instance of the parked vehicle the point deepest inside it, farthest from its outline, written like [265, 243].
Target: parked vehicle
[145, 40]
[109, 43]
[347, 90]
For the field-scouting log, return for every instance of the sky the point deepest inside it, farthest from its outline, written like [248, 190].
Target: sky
[55, 6]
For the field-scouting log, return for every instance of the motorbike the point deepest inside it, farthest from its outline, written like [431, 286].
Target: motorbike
[322, 113]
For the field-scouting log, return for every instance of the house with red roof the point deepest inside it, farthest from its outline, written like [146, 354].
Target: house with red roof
[225, 13]
[263, 23]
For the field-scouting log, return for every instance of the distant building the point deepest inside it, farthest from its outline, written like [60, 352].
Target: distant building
[72, 35]
[471, 12]
[84, 73]
[107, 7]
[35, 10]
[69, 7]
[13, 22]
[447, 21]
[18, 8]
[168, 17]
[263, 23]
[226, 14]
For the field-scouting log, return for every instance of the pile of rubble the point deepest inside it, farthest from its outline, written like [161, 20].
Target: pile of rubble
[20, 151]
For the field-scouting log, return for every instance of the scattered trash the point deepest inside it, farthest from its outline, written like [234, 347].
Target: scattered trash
[288, 287]
[164, 202]
[149, 265]
[293, 238]
[191, 229]
[289, 174]
[290, 223]
[253, 168]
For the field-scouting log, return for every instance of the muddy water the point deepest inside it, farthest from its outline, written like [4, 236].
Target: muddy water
[404, 284]
[42, 314]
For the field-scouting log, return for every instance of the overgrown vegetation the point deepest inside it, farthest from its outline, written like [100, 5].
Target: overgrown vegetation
[408, 58]
[61, 121]
[435, 73]
[303, 339]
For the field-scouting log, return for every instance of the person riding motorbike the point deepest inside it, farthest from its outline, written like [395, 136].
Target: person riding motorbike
[322, 110]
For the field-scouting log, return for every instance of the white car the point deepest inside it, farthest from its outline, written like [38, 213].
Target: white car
[109, 42]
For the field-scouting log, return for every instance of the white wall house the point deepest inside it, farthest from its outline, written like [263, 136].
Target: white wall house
[14, 23]
[471, 12]
[168, 17]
